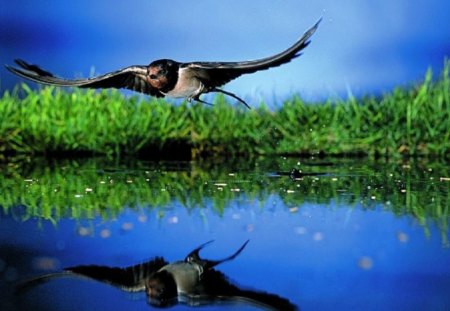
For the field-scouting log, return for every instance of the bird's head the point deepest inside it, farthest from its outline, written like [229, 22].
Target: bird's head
[161, 286]
[162, 74]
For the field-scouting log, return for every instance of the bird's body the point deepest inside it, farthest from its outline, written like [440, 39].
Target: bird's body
[183, 277]
[170, 78]
[187, 86]
[193, 281]
[186, 275]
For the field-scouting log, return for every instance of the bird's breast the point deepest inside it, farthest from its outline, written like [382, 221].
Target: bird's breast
[187, 85]
[187, 275]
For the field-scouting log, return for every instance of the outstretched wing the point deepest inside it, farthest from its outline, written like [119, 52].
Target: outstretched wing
[217, 287]
[215, 74]
[132, 78]
[130, 279]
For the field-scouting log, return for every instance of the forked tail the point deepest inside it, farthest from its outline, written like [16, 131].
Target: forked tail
[208, 264]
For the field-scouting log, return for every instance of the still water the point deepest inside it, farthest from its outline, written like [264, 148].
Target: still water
[323, 234]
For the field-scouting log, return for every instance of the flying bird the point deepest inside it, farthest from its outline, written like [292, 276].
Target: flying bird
[193, 281]
[166, 77]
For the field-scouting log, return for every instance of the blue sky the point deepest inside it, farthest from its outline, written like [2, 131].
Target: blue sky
[362, 46]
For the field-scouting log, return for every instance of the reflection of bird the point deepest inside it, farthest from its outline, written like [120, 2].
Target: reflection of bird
[167, 77]
[193, 281]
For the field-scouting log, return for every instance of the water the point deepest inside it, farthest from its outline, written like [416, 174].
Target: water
[333, 235]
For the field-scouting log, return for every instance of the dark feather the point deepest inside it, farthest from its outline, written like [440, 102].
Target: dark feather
[217, 287]
[129, 279]
[132, 78]
[215, 74]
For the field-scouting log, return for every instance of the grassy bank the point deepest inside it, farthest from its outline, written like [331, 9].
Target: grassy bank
[413, 121]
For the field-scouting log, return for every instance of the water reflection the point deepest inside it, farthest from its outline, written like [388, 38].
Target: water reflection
[334, 230]
[193, 281]
[82, 189]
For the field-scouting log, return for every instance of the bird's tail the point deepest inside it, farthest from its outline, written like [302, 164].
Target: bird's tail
[208, 264]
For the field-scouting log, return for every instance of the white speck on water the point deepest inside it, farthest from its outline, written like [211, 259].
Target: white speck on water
[45, 263]
[250, 228]
[402, 237]
[83, 231]
[127, 226]
[105, 233]
[300, 230]
[318, 236]
[365, 263]
[173, 220]
[220, 184]
[142, 218]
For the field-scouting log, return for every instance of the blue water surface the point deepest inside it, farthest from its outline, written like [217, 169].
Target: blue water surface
[320, 256]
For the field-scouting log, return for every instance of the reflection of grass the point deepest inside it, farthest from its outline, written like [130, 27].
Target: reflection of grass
[83, 190]
[411, 121]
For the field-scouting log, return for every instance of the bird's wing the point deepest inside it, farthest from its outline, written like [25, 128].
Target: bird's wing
[216, 287]
[215, 74]
[130, 279]
[132, 78]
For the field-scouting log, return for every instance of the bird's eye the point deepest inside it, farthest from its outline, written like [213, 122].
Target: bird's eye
[152, 76]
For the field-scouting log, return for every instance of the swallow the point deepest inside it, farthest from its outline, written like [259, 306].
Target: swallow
[296, 174]
[192, 281]
[166, 77]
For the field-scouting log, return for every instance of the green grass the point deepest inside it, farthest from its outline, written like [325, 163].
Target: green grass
[85, 189]
[411, 121]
